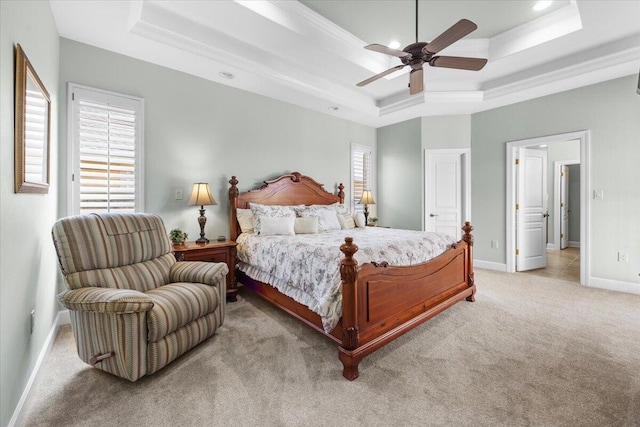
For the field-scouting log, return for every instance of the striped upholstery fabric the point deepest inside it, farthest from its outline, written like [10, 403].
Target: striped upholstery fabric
[128, 295]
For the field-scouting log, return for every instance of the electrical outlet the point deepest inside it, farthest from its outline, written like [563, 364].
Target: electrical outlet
[494, 244]
[623, 257]
[178, 194]
[32, 320]
[598, 194]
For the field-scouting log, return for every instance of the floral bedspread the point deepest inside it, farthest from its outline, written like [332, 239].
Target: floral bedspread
[306, 267]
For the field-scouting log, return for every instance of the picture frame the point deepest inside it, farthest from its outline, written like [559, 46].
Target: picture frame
[32, 128]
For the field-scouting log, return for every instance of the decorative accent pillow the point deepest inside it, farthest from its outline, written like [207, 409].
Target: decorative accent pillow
[339, 207]
[307, 225]
[346, 221]
[359, 219]
[245, 219]
[269, 211]
[327, 216]
[277, 226]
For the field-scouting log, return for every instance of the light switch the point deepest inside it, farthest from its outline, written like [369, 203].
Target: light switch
[598, 194]
[178, 194]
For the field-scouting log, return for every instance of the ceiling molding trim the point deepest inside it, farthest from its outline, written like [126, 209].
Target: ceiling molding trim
[599, 64]
[152, 23]
[556, 24]
[302, 20]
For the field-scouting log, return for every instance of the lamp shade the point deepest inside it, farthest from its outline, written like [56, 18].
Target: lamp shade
[201, 195]
[367, 198]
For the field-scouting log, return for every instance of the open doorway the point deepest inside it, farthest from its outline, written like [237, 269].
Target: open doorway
[534, 212]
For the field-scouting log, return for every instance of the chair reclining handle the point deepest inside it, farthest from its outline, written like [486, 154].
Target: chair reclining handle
[100, 358]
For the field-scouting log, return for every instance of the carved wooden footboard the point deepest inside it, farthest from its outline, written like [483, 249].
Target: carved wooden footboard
[379, 302]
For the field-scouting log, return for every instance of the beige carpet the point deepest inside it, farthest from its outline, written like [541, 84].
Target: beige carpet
[531, 351]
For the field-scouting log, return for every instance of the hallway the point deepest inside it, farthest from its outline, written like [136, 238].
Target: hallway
[564, 265]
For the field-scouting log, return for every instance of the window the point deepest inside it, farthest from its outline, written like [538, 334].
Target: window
[106, 151]
[361, 174]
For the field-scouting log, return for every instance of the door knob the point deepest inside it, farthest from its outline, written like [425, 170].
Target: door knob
[432, 215]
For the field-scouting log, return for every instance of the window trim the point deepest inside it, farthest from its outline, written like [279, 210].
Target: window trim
[72, 146]
[373, 186]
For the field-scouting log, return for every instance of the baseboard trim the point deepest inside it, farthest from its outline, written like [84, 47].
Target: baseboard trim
[573, 244]
[490, 265]
[62, 318]
[614, 285]
[551, 246]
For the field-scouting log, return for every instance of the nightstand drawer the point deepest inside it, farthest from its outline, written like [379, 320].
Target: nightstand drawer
[208, 256]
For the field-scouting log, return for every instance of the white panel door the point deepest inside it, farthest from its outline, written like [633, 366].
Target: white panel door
[564, 207]
[531, 239]
[444, 194]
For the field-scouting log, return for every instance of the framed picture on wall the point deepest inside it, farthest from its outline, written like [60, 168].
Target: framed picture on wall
[32, 128]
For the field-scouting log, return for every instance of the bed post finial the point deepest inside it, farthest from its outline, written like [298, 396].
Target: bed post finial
[350, 332]
[341, 193]
[468, 237]
[233, 204]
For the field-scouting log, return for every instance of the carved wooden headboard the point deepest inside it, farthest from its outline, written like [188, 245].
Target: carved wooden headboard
[289, 189]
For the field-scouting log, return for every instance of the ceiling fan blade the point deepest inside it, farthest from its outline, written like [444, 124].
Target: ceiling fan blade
[384, 49]
[452, 35]
[459, 62]
[416, 81]
[382, 74]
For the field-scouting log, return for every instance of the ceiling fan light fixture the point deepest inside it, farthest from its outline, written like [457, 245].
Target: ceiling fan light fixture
[395, 44]
[541, 5]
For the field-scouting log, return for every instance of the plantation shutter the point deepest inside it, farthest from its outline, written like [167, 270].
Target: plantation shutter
[107, 153]
[361, 170]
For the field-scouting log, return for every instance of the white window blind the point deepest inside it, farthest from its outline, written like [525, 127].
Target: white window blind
[107, 152]
[361, 174]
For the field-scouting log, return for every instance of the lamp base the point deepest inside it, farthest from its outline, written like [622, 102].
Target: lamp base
[202, 220]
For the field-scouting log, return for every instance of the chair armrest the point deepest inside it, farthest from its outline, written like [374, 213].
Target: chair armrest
[105, 300]
[208, 273]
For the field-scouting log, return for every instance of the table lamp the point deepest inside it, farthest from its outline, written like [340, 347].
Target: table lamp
[366, 199]
[201, 195]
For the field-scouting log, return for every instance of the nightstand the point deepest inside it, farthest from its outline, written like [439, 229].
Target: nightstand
[212, 252]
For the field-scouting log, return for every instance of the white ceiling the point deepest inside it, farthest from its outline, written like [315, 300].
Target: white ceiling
[310, 53]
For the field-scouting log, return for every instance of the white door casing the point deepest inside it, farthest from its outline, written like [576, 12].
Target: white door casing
[531, 202]
[585, 192]
[447, 180]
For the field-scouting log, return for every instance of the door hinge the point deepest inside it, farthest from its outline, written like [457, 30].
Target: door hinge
[517, 206]
[73, 177]
[73, 96]
[517, 251]
[561, 173]
[561, 235]
[562, 205]
[517, 161]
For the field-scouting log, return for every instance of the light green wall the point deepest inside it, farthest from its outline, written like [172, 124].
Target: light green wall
[574, 203]
[28, 266]
[556, 152]
[400, 164]
[400, 175]
[446, 132]
[611, 111]
[198, 130]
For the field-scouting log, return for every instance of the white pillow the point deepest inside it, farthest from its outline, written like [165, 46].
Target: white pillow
[339, 207]
[346, 221]
[278, 226]
[359, 219]
[245, 219]
[308, 225]
[269, 211]
[327, 216]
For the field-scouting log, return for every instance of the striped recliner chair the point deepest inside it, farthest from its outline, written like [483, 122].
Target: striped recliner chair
[134, 309]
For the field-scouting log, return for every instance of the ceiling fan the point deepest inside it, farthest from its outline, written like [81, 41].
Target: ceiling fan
[417, 54]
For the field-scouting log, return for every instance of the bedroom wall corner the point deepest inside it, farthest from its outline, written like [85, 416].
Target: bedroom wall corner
[28, 263]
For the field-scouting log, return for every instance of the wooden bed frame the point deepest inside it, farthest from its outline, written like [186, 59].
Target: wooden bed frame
[380, 302]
